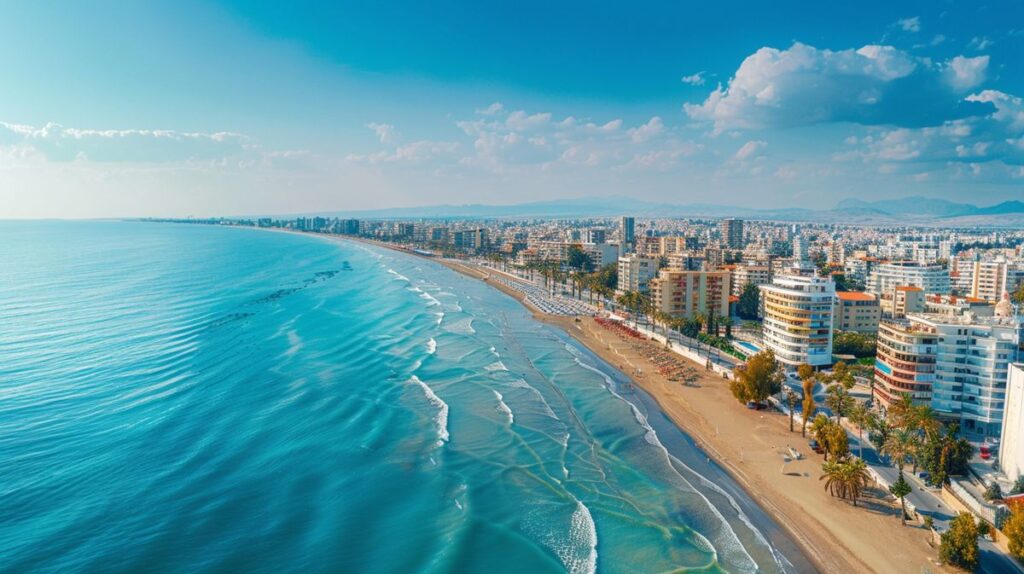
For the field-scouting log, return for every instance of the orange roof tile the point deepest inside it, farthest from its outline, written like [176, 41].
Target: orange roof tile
[908, 288]
[854, 296]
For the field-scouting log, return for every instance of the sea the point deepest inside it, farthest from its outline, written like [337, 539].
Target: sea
[197, 398]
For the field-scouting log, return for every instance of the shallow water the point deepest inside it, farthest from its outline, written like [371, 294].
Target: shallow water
[187, 398]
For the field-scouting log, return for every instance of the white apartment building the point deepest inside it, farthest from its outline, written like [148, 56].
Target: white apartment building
[798, 319]
[888, 276]
[744, 274]
[636, 272]
[1011, 445]
[973, 355]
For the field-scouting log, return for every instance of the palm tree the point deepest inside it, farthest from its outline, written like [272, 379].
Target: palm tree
[838, 399]
[901, 411]
[860, 416]
[846, 478]
[833, 477]
[727, 322]
[791, 402]
[821, 431]
[899, 446]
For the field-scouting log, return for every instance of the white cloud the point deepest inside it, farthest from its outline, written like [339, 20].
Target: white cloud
[491, 110]
[652, 128]
[694, 79]
[966, 73]
[385, 132]
[59, 143]
[910, 24]
[980, 43]
[873, 85]
[750, 150]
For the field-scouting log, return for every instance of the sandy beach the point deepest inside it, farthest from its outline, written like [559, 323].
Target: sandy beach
[750, 445]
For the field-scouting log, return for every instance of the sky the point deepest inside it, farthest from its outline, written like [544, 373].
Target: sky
[222, 108]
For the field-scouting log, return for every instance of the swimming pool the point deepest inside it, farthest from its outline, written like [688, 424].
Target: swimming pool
[749, 347]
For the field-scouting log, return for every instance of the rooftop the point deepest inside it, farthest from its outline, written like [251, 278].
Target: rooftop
[854, 296]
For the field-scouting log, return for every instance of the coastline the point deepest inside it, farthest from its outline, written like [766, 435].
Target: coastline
[831, 535]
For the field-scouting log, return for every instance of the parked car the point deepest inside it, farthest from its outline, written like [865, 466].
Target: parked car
[755, 406]
[984, 453]
[815, 446]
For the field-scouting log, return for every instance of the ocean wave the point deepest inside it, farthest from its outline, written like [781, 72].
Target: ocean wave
[462, 327]
[732, 544]
[583, 535]
[431, 301]
[496, 366]
[440, 317]
[503, 407]
[398, 276]
[441, 419]
[431, 346]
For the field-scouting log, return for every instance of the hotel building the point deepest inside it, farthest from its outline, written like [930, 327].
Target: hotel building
[685, 293]
[798, 319]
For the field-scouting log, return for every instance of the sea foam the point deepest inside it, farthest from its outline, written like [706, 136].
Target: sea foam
[441, 419]
[503, 407]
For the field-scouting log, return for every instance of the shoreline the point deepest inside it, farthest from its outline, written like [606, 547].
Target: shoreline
[831, 535]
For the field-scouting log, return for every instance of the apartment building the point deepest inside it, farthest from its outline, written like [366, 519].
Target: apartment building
[744, 274]
[887, 276]
[856, 311]
[636, 272]
[990, 279]
[971, 357]
[732, 233]
[798, 319]
[901, 300]
[682, 293]
[905, 362]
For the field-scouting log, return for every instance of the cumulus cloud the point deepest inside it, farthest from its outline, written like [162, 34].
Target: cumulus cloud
[55, 142]
[910, 24]
[873, 85]
[694, 79]
[966, 73]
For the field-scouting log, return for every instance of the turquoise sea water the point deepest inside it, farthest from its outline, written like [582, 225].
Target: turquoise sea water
[186, 398]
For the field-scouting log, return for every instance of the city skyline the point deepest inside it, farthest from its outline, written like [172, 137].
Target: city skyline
[241, 108]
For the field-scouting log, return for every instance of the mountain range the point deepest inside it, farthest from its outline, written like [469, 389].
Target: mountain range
[907, 210]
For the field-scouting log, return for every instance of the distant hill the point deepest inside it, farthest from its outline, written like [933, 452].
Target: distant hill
[917, 206]
[912, 210]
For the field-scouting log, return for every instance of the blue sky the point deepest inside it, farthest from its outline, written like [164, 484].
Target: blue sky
[187, 108]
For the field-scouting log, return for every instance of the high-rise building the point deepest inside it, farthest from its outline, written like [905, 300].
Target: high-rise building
[800, 248]
[905, 362]
[732, 233]
[856, 311]
[627, 229]
[887, 276]
[993, 278]
[798, 319]
[971, 357]
[636, 272]
[470, 239]
[596, 235]
[1011, 441]
[685, 293]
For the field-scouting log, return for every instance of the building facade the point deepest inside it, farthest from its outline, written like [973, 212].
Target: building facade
[1011, 444]
[856, 311]
[798, 319]
[683, 293]
[905, 362]
[732, 233]
[888, 276]
[636, 272]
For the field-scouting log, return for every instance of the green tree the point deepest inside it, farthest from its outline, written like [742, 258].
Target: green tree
[808, 403]
[576, 258]
[900, 489]
[839, 400]
[842, 375]
[821, 430]
[838, 442]
[959, 546]
[845, 478]
[749, 302]
[856, 344]
[993, 492]
[1013, 528]
[899, 446]
[1018, 486]
[757, 379]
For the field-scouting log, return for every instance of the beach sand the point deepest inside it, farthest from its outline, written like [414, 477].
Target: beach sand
[835, 535]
